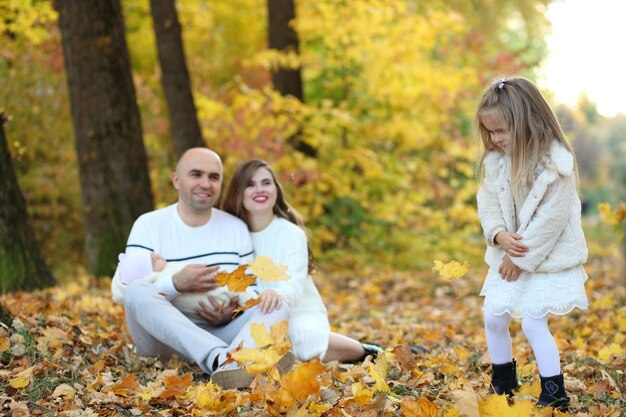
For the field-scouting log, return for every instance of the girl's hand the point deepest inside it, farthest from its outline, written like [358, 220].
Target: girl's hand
[509, 242]
[270, 301]
[508, 270]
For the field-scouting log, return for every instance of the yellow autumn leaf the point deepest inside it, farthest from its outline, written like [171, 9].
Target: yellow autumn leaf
[422, 407]
[614, 349]
[19, 382]
[380, 385]
[211, 398]
[265, 269]
[257, 360]
[316, 409]
[236, 280]
[451, 270]
[362, 395]
[4, 345]
[260, 335]
[498, 406]
[533, 389]
[607, 214]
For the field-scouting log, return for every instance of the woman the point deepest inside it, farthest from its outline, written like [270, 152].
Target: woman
[255, 196]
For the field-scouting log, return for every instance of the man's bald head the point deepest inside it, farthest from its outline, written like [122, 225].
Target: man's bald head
[195, 155]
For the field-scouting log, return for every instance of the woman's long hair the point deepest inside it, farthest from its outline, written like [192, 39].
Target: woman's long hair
[530, 120]
[233, 202]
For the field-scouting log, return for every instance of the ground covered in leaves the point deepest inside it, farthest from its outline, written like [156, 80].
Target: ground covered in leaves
[66, 352]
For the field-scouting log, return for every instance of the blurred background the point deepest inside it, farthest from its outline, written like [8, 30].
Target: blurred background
[363, 107]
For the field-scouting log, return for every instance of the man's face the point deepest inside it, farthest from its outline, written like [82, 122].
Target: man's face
[198, 179]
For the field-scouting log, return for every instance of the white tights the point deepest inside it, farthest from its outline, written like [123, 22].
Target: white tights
[536, 332]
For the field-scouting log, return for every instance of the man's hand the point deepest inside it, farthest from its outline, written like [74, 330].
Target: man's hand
[508, 270]
[195, 278]
[270, 301]
[217, 314]
[509, 242]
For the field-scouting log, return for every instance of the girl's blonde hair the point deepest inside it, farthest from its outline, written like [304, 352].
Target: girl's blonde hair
[233, 202]
[529, 119]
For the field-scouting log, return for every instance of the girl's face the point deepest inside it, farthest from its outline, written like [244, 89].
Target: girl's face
[498, 131]
[260, 193]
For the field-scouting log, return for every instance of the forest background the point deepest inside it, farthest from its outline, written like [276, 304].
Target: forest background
[389, 90]
[373, 142]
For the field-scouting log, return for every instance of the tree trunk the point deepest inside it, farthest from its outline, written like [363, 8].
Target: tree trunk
[175, 78]
[22, 267]
[284, 38]
[107, 126]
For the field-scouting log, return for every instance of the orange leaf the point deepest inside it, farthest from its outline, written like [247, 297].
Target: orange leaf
[302, 380]
[176, 386]
[236, 280]
[418, 408]
[249, 304]
[124, 387]
[404, 356]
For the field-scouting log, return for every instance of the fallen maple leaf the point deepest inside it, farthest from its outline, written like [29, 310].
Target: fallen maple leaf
[64, 390]
[212, 399]
[362, 395]
[264, 268]
[176, 386]
[451, 270]
[498, 406]
[404, 356]
[236, 280]
[410, 407]
[380, 384]
[125, 387]
[607, 353]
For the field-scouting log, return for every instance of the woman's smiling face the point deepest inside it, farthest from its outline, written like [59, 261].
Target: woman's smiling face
[260, 193]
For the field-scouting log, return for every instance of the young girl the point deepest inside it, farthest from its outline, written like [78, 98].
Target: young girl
[530, 213]
[255, 196]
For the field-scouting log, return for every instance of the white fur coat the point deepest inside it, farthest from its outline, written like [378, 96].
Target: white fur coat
[549, 218]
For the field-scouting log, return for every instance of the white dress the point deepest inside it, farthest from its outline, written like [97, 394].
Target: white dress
[286, 244]
[547, 215]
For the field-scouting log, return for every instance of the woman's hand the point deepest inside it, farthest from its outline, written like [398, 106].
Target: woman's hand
[217, 314]
[509, 242]
[270, 301]
[508, 270]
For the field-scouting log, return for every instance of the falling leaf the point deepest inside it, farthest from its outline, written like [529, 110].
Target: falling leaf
[302, 380]
[257, 360]
[237, 280]
[451, 270]
[248, 305]
[264, 268]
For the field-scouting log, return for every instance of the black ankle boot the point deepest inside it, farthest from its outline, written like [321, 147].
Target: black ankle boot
[553, 392]
[503, 378]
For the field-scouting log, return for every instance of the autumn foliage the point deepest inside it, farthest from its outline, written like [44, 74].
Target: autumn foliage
[68, 353]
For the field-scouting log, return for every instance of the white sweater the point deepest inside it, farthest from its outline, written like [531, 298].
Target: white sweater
[224, 240]
[286, 244]
[549, 218]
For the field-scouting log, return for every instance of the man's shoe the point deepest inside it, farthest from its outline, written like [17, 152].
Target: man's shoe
[231, 376]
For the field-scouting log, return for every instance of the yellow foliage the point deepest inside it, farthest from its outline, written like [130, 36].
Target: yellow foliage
[498, 405]
[607, 353]
[362, 395]
[213, 400]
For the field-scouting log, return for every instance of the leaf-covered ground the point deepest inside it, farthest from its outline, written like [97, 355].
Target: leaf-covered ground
[67, 353]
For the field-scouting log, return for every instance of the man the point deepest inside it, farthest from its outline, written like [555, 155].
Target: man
[192, 230]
